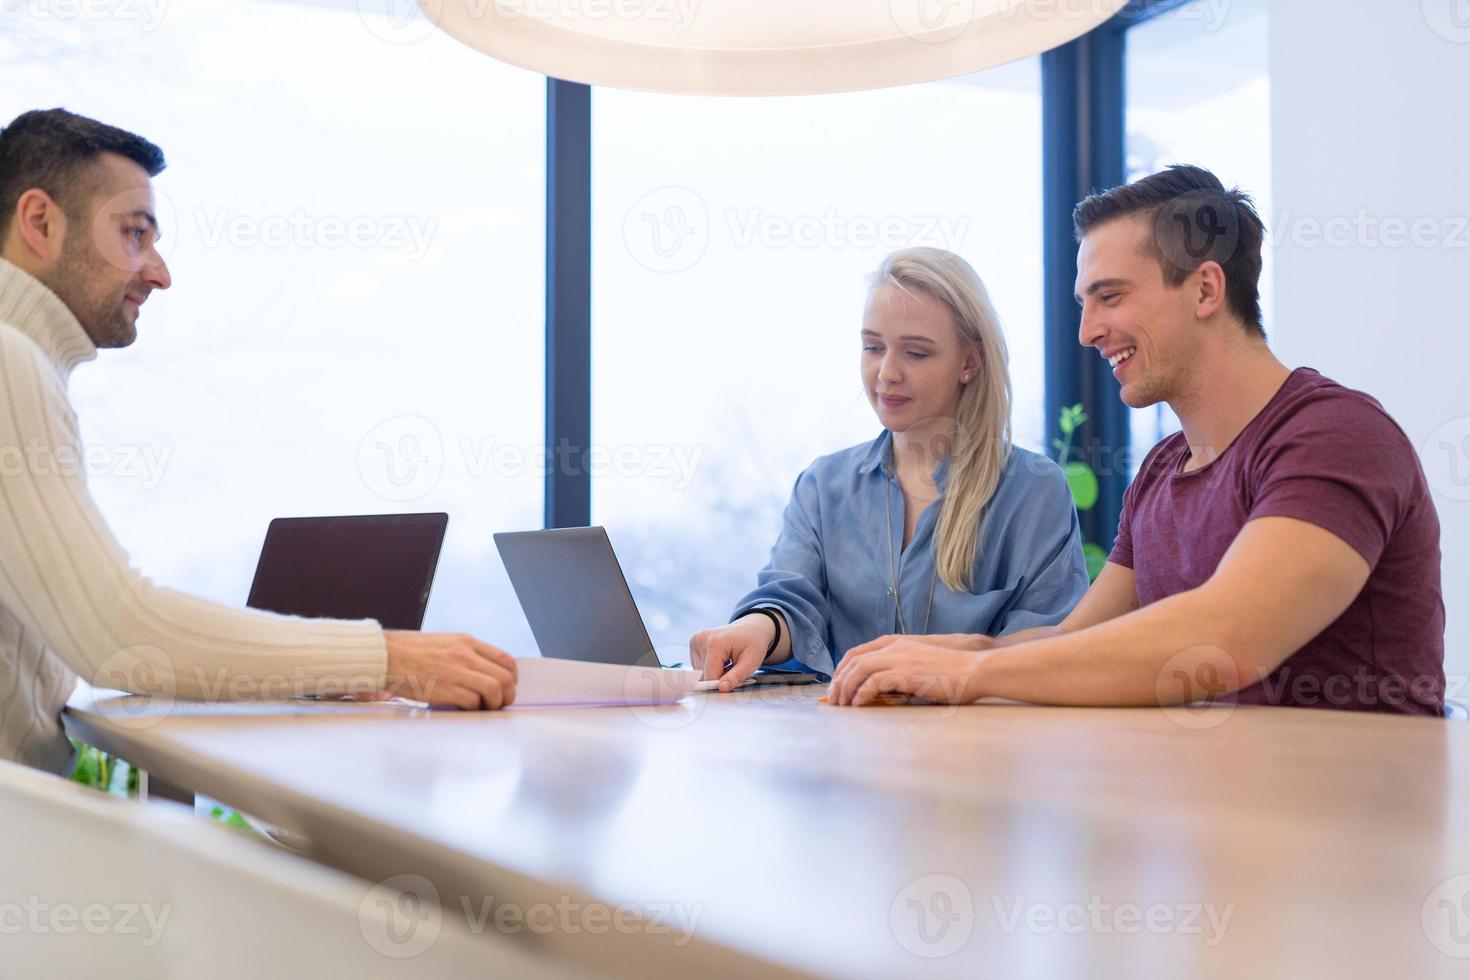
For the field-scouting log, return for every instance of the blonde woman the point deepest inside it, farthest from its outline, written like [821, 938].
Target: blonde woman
[939, 525]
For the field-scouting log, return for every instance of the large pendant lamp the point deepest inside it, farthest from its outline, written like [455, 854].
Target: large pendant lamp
[763, 47]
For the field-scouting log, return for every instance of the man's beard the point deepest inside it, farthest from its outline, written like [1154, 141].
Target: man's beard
[75, 281]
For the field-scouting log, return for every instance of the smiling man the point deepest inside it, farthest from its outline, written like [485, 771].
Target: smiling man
[1281, 549]
[78, 260]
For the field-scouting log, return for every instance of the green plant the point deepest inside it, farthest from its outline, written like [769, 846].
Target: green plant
[101, 771]
[1081, 480]
[116, 777]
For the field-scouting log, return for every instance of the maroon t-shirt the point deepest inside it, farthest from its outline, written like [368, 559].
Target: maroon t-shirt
[1331, 456]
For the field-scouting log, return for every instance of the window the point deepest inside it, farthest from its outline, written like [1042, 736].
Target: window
[732, 239]
[353, 215]
[1199, 92]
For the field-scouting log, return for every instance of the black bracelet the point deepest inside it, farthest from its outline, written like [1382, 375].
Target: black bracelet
[775, 618]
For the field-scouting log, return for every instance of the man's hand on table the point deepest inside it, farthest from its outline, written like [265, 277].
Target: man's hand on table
[448, 669]
[940, 668]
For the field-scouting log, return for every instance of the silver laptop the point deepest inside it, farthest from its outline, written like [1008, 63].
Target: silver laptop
[577, 601]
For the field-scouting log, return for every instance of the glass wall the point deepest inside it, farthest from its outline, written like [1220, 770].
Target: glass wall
[353, 214]
[732, 239]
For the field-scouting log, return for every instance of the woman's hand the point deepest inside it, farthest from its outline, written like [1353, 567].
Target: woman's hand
[742, 644]
[908, 665]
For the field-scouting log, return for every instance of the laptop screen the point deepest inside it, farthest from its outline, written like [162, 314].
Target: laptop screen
[368, 567]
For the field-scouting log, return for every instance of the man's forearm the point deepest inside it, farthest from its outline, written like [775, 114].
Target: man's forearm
[1026, 636]
[1175, 650]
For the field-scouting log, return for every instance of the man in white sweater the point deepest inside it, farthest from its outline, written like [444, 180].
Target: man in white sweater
[77, 261]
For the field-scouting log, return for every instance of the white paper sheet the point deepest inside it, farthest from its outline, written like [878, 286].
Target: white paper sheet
[544, 681]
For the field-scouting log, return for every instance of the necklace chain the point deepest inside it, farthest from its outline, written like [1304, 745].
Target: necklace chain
[893, 569]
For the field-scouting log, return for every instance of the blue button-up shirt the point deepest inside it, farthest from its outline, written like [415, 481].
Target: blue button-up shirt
[829, 572]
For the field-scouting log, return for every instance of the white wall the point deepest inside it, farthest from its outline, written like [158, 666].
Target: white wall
[1370, 129]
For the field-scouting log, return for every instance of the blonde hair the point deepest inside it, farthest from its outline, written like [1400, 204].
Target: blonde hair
[981, 443]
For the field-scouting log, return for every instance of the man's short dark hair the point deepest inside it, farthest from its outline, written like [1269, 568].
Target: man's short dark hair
[55, 150]
[1195, 220]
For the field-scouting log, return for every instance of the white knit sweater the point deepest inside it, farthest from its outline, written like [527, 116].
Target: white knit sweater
[70, 602]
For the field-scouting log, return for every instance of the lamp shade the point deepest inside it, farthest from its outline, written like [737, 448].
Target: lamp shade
[763, 47]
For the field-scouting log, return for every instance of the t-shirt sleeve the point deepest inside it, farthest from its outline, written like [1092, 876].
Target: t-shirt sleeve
[1122, 553]
[1343, 465]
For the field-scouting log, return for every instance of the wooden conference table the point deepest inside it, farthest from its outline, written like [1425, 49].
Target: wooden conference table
[773, 835]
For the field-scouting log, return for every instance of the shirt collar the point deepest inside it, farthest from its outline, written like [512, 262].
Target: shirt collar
[880, 454]
[41, 315]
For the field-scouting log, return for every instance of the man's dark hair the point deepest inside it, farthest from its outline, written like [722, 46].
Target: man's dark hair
[1195, 220]
[56, 150]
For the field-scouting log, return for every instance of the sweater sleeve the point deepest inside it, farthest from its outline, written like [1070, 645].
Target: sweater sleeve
[64, 575]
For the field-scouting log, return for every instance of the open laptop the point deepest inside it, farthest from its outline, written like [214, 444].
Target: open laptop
[577, 601]
[377, 566]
